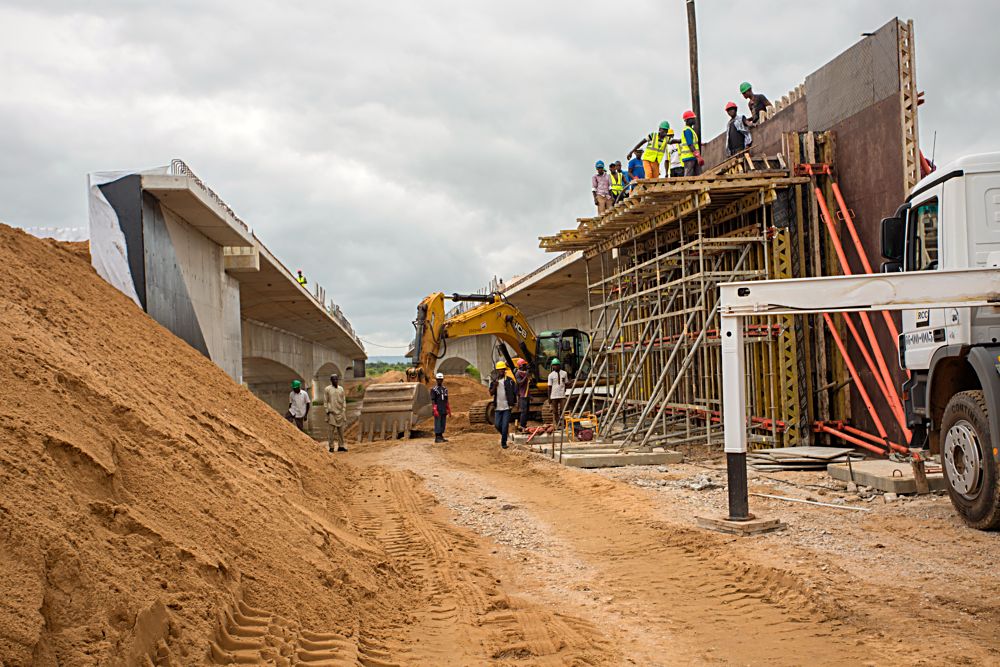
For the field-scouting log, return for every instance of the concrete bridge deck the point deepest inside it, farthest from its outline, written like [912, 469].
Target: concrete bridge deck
[167, 240]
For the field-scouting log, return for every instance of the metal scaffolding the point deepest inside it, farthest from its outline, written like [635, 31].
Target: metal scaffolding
[653, 269]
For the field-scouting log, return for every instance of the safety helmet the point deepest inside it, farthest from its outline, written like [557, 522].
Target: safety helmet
[745, 86]
[439, 376]
[664, 125]
[501, 365]
[296, 384]
[670, 132]
[688, 115]
[730, 105]
[554, 362]
[599, 164]
[522, 363]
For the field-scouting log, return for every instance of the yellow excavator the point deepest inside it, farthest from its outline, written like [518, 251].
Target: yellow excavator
[394, 408]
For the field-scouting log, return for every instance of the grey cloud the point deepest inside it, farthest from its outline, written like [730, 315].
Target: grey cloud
[392, 149]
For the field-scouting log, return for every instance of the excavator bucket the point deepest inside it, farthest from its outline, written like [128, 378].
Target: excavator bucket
[393, 408]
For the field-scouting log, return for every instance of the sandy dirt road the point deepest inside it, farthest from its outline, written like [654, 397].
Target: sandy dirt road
[589, 570]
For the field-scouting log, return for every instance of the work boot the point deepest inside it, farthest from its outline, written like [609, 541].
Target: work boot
[444, 439]
[438, 438]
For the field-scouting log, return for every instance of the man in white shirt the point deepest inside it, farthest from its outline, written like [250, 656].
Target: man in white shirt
[335, 404]
[558, 379]
[298, 405]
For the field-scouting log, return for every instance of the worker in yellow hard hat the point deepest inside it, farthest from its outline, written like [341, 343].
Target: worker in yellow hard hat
[504, 392]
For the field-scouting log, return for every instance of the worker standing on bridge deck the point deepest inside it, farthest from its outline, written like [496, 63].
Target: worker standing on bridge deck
[558, 379]
[298, 405]
[618, 181]
[656, 147]
[301, 279]
[738, 137]
[757, 101]
[601, 185]
[504, 393]
[522, 378]
[690, 151]
[442, 409]
[335, 404]
[674, 165]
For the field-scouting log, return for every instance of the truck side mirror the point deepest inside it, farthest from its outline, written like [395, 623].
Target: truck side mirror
[892, 267]
[892, 239]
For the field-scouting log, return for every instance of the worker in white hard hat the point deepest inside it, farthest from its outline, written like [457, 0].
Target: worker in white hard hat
[335, 404]
[442, 409]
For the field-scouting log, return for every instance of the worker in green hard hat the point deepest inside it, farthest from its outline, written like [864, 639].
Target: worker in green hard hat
[558, 379]
[656, 147]
[757, 101]
[298, 405]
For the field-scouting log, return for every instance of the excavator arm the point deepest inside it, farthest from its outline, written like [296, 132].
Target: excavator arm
[494, 317]
[392, 408]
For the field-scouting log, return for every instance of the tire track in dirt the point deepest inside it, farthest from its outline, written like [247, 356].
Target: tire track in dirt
[466, 616]
[677, 588]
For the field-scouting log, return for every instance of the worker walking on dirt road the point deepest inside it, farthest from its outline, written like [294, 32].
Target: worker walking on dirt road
[522, 378]
[558, 379]
[504, 392]
[442, 409]
[335, 404]
[298, 405]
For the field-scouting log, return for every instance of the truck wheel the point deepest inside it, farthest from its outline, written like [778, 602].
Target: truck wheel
[970, 469]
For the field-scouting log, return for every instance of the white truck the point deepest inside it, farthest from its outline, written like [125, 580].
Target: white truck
[951, 220]
[942, 271]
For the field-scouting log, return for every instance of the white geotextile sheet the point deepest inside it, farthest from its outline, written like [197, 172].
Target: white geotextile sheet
[108, 252]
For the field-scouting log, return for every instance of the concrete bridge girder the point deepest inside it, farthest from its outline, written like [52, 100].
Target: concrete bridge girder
[309, 362]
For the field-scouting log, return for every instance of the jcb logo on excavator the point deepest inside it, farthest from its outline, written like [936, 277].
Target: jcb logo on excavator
[519, 329]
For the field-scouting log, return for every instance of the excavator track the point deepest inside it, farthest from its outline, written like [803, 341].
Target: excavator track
[479, 412]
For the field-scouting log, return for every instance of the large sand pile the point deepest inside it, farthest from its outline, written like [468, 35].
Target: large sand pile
[145, 497]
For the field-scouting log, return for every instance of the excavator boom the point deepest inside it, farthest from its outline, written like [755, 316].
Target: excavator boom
[393, 408]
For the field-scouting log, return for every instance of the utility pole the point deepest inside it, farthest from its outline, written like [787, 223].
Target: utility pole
[693, 57]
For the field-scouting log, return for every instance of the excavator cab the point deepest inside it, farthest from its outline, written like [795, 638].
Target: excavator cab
[567, 345]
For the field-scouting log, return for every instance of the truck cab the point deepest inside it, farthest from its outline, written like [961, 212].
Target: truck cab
[951, 220]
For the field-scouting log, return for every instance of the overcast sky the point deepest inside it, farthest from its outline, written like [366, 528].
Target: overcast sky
[393, 149]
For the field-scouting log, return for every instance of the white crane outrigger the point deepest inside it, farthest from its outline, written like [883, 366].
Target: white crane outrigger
[801, 296]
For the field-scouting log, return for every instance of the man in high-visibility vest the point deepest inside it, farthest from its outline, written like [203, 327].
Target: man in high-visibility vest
[619, 180]
[690, 149]
[656, 148]
[300, 279]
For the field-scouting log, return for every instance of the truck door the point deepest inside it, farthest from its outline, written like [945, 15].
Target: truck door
[923, 330]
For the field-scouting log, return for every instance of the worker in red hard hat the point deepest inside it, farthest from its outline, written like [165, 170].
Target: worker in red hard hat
[738, 137]
[690, 150]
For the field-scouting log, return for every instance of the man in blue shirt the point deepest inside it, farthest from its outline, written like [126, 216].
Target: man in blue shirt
[635, 172]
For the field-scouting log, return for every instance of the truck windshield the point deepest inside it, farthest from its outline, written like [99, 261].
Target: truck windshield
[924, 255]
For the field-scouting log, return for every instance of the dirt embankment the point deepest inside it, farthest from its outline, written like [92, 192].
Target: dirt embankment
[149, 505]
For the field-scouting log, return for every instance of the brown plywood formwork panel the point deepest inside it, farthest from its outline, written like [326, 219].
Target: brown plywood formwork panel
[858, 78]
